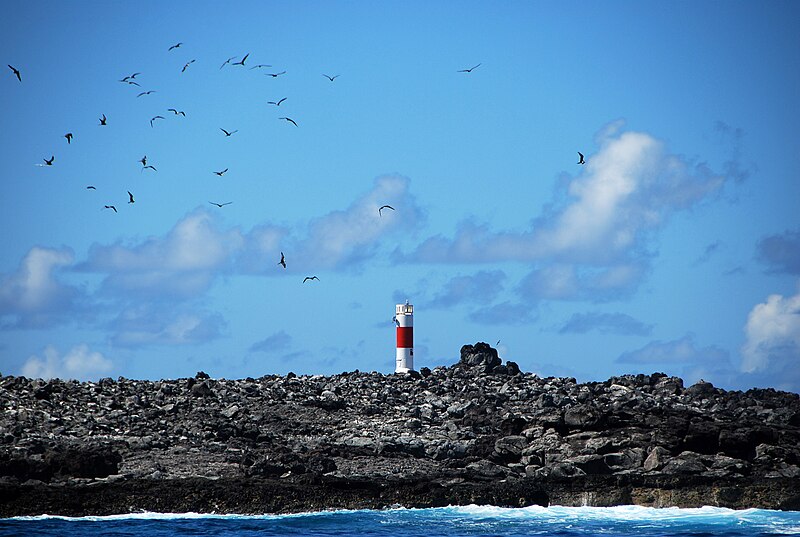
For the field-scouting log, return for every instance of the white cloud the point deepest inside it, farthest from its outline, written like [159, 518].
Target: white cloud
[32, 296]
[182, 263]
[626, 189]
[79, 363]
[346, 237]
[147, 325]
[678, 351]
[773, 335]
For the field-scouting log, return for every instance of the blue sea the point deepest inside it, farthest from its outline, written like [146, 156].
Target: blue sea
[444, 522]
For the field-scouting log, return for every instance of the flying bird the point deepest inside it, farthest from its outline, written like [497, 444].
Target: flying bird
[259, 66]
[177, 45]
[68, 136]
[222, 172]
[91, 187]
[150, 167]
[103, 120]
[130, 197]
[290, 120]
[275, 75]
[228, 133]
[470, 69]
[110, 207]
[155, 118]
[282, 262]
[241, 62]
[144, 160]
[176, 112]
[16, 72]
[220, 204]
[384, 207]
[130, 77]
[49, 162]
[227, 62]
[146, 93]
[310, 278]
[580, 158]
[278, 103]
[331, 78]
[187, 65]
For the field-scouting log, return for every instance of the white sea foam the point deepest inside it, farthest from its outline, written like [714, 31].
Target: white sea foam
[783, 522]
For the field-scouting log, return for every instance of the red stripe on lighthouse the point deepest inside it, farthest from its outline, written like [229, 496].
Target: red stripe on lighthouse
[405, 337]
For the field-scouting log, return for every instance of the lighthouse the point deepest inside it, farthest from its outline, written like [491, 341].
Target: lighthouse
[404, 319]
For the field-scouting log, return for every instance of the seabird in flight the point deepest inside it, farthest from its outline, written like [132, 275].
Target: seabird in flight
[282, 262]
[289, 120]
[310, 278]
[16, 72]
[220, 204]
[580, 158]
[384, 207]
[470, 69]
[228, 133]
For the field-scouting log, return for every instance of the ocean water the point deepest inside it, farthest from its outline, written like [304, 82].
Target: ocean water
[444, 522]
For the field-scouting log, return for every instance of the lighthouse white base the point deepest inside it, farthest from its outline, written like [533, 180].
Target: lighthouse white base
[404, 361]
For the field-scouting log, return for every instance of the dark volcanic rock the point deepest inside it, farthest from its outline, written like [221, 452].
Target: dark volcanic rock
[479, 431]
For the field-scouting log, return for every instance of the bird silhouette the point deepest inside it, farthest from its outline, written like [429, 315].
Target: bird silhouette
[241, 62]
[384, 207]
[130, 77]
[278, 103]
[68, 136]
[176, 112]
[276, 75]
[282, 262]
[49, 162]
[155, 118]
[259, 66]
[151, 167]
[110, 207]
[16, 72]
[470, 69]
[228, 133]
[187, 65]
[310, 278]
[220, 204]
[580, 158]
[143, 160]
[290, 120]
[103, 120]
[146, 93]
[91, 187]
[222, 172]
[130, 197]
[177, 45]
[331, 78]
[226, 62]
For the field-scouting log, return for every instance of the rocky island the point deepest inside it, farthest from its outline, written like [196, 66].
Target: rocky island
[479, 431]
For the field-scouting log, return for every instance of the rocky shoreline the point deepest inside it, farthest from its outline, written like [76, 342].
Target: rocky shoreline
[479, 431]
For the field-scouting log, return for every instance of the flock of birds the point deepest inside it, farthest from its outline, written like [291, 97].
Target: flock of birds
[131, 80]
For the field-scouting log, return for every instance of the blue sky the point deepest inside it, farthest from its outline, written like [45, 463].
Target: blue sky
[675, 248]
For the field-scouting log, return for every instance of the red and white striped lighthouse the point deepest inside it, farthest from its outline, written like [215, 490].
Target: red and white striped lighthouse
[404, 318]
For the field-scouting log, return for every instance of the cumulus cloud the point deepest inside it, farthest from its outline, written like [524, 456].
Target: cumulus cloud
[562, 281]
[145, 325]
[33, 297]
[605, 323]
[677, 351]
[627, 189]
[182, 263]
[79, 363]
[773, 336]
[781, 252]
[277, 342]
[504, 313]
[345, 238]
[481, 287]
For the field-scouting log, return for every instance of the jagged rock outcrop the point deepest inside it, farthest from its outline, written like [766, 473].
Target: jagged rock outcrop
[477, 431]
